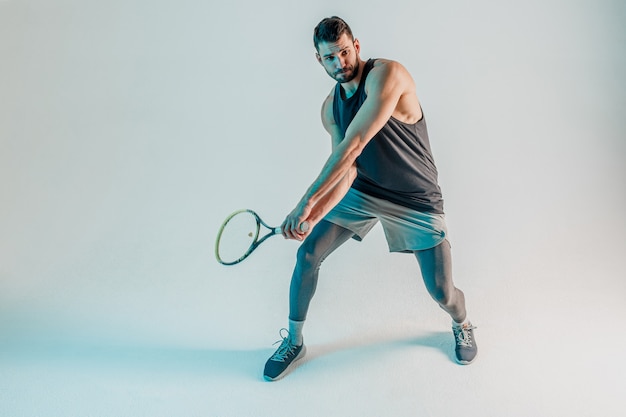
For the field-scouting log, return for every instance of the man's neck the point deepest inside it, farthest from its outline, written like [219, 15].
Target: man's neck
[350, 87]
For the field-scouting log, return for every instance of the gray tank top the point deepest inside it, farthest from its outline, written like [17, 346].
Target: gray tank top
[397, 164]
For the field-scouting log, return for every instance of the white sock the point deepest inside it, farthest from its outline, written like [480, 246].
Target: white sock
[295, 332]
[466, 321]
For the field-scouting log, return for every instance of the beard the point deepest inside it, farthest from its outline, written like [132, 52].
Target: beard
[346, 74]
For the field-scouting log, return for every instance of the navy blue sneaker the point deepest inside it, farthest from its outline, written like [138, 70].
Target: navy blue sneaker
[465, 349]
[284, 359]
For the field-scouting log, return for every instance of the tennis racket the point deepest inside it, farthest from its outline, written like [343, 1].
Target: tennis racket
[240, 235]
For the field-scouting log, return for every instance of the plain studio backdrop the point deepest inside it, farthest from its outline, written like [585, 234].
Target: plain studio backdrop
[130, 129]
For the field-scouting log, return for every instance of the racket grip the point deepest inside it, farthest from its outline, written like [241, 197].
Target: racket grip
[304, 227]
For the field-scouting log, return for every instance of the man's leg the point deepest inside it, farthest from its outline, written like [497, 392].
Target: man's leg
[325, 238]
[436, 267]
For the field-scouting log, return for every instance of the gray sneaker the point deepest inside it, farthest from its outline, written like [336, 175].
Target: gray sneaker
[283, 360]
[466, 348]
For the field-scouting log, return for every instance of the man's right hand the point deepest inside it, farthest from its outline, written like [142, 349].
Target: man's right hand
[292, 226]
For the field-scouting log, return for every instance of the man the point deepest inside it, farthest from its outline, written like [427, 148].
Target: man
[380, 169]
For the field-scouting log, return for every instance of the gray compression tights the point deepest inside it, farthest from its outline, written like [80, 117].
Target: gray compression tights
[435, 264]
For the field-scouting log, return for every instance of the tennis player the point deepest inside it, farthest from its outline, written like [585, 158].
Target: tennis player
[381, 169]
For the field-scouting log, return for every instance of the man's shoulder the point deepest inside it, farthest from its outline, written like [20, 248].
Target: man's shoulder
[327, 110]
[382, 66]
[386, 70]
[328, 101]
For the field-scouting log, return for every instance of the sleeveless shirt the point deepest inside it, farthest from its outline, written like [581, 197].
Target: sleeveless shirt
[397, 164]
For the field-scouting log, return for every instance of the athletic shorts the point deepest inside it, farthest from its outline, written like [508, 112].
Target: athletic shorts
[406, 229]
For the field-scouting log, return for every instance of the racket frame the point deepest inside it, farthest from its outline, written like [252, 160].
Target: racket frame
[255, 242]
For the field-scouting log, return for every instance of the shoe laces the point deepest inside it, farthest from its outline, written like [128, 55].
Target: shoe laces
[463, 335]
[285, 349]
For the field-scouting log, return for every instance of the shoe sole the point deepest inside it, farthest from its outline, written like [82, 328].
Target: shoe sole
[461, 362]
[289, 368]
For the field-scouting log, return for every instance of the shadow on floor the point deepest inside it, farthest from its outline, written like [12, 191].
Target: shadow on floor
[213, 363]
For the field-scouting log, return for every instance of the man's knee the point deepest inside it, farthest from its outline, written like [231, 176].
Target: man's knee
[306, 254]
[325, 238]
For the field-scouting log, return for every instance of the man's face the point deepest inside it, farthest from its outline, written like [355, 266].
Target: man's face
[340, 59]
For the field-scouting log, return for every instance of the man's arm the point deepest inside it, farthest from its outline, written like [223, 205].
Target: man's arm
[385, 85]
[336, 193]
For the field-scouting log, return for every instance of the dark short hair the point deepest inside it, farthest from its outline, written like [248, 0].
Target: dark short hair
[330, 29]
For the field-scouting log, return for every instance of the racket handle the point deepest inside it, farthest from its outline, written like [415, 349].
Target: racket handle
[304, 227]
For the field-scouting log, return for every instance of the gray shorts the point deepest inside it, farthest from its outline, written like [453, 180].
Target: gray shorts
[406, 230]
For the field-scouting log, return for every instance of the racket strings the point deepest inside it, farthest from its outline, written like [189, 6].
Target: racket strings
[237, 237]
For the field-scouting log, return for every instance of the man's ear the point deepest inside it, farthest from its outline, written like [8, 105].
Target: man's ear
[357, 46]
[318, 57]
